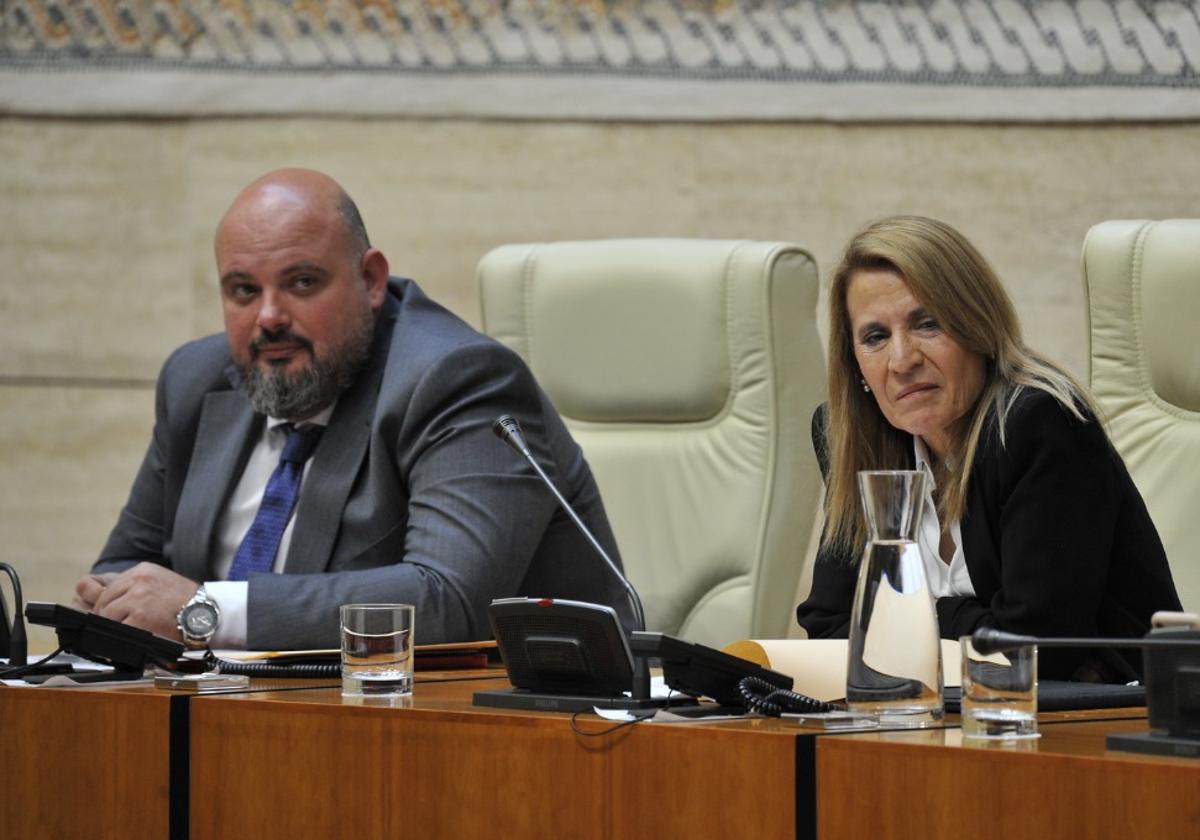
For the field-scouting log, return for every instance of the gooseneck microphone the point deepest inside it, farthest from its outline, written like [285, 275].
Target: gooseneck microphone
[990, 640]
[1172, 680]
[509, 431]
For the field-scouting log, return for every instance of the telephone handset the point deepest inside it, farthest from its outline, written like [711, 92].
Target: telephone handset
[730, 680]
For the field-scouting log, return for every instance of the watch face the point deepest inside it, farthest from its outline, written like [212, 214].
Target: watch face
[200, 620]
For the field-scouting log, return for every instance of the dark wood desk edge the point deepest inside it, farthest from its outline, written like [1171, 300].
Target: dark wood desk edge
[179, 767]
[805, 781]
[179, 793]
[805, 741]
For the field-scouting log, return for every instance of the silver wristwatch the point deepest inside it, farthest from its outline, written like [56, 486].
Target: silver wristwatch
[198, 620]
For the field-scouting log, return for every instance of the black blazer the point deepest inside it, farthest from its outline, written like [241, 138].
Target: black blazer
[1057, 541]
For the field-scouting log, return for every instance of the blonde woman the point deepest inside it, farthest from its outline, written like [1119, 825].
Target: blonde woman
[1032, 523]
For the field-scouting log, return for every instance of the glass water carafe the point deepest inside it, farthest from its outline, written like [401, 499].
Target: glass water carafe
[895, 664]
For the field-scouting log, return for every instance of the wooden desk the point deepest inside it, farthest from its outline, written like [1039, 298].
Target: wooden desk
[84, 763]
[288, 761]
[308, 764]
[103, 762]
[936, 784]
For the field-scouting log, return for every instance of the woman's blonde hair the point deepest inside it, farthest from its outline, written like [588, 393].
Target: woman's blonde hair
[955, 284]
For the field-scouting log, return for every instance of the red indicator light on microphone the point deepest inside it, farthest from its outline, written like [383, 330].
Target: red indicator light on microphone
[545, 602]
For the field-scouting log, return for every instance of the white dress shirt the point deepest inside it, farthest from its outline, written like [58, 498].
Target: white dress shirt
[238, 516]
[943, 580]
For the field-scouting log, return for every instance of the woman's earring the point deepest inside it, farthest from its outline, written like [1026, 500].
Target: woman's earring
[866, 387]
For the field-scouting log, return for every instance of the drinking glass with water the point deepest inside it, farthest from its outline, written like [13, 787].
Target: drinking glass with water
[377, 650]
[999, 692]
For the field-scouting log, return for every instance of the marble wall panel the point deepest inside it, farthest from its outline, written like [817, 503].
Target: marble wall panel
[92, 228]
[437, 195]
[67, 458]
[1026, 195]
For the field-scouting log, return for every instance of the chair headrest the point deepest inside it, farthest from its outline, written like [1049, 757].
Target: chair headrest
[1143, 283]
[1169, 290]
[632, 330]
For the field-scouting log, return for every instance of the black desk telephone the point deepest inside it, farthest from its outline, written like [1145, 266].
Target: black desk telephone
[128, 650]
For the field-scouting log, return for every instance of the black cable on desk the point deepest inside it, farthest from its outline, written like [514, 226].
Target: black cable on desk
[32, 668]
[770, 700]
[265, 669]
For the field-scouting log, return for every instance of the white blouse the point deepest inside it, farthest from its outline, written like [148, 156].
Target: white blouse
[943, 580]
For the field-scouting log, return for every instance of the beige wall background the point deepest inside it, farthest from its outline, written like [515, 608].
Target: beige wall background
[105, 229]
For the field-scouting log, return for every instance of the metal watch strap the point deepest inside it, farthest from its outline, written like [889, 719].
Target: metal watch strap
[200, 597]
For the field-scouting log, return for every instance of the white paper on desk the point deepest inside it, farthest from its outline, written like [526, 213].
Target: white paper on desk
[64, 680]
[658, 689]
[77, 662]
[667, 716]
[619, 715]
[661, 716]
[818, 666]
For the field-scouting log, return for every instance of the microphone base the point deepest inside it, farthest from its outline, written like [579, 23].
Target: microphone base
[1154, 743]
[520, 698]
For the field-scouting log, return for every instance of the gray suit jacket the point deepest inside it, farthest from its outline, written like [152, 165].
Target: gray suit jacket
[410, 498]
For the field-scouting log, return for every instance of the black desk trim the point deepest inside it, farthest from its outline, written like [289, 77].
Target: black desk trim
[180, 768]
[806, 787]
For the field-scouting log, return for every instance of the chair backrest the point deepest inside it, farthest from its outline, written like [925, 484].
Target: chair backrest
[688, 371]
[1142, 281]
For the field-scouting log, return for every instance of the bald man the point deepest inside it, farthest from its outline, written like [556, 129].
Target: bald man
[407, 496]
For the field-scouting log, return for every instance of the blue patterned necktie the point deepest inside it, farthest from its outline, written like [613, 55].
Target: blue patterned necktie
[261, 543]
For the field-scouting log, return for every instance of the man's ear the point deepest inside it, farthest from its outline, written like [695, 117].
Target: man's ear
[375, 275]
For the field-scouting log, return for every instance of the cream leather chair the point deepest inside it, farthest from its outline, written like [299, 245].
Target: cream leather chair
[1142, 281]
[688, 370]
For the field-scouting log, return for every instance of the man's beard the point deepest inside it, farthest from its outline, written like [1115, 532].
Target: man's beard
[296, 396]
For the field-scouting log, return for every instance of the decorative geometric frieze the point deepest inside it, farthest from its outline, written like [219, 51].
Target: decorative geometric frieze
[653, 59]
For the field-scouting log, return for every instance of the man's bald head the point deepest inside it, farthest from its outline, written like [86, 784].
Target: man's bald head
[294, 191]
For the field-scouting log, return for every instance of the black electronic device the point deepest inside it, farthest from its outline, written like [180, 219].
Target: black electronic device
[558, 645]
[562, 656]
[13, 642]
[128, 650]
[1171, 662]
[701, 671]
[5, 632]
[571, 656]
[1173, 681]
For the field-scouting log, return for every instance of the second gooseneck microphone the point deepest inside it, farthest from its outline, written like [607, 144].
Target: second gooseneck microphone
[509, 431]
